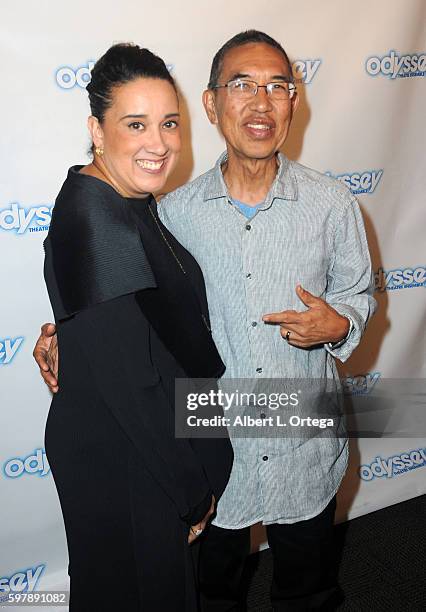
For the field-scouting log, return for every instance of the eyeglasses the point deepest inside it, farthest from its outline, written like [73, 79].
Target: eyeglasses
[242, 89]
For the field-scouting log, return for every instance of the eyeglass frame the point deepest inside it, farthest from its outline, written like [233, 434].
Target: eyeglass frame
[292, 91]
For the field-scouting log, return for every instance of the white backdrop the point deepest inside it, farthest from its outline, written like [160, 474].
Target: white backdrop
[361, 118]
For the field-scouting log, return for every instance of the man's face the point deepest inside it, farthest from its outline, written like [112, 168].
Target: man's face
[253, 128]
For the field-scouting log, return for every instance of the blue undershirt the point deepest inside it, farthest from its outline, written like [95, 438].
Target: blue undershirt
[248, 211]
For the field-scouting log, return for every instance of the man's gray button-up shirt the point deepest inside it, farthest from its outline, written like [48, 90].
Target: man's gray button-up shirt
[310, 231]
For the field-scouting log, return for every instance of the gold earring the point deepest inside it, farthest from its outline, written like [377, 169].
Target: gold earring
[99, 151]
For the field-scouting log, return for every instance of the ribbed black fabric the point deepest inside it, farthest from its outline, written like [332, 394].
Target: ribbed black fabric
[97, 252]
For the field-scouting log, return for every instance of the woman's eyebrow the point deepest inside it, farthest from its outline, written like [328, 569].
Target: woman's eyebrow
[143, 116]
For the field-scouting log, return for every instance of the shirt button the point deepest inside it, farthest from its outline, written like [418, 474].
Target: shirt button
[265, 457]
[262, 415]
[254, 324]
[248, 227]
[248, 275]
[259, 370]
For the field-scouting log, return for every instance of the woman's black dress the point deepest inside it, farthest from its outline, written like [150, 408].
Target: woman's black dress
[131, 314]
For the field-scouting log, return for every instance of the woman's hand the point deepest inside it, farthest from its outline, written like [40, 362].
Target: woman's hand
[46, 355]
[196, 530]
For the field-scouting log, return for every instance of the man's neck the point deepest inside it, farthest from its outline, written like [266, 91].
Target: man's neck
[249, 180]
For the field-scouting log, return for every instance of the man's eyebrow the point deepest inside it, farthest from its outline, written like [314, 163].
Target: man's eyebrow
[239, 75]
[141, 116]
[281, 77]
[276, 77]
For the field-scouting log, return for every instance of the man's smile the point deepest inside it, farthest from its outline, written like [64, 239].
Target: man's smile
[260, 127]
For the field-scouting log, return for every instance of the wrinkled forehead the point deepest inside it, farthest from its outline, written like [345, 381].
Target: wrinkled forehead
[254, 60]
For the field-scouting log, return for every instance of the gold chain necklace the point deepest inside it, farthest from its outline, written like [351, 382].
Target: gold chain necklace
[177, 260]
[109, 180]
[166, 241]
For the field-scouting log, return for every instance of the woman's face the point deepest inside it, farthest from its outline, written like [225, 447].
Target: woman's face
[140, 135]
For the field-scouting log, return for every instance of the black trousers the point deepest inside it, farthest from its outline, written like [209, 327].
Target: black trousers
[304, 574]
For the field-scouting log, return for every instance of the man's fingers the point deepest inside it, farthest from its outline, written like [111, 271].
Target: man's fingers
[305, 296]
[286, 316]
[293, 337]
[48, 329]
[45, 341]
[296, 339]
[50, 381]
[40, 355]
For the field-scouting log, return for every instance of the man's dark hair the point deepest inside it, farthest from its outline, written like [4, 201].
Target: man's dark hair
[243, 38]
[121, 64]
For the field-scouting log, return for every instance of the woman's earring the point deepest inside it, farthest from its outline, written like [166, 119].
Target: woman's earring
[99, 151]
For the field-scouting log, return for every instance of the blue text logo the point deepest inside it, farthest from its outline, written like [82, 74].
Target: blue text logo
[305, 70]
[18, 219]
[393, 466]
[360, 182]
[36, 463]
[361, 384]
[68, 78]
[8, 349]
[400, 278]
[394, 65]
[25, 580]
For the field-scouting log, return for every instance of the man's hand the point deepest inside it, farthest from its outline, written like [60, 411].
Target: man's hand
[317, 325]
[46, 355]
[194, 531]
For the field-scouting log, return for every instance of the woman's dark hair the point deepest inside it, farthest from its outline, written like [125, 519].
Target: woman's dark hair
[243, 38]
[121, 64]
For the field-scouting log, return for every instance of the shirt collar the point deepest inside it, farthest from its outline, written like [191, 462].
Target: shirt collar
[284, 186]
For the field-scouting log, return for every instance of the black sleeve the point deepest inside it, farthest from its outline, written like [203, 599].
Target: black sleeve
[114, 338]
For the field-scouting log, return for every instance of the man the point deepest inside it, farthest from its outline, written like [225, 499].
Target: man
[289, 284]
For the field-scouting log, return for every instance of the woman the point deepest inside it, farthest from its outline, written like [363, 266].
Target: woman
[131, 315]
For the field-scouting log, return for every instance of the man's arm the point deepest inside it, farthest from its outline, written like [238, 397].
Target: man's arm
[340, 318]
[350, 284]
[47, 357]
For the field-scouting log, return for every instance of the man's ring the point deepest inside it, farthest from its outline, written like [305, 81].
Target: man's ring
[287, 336]
[196, 532]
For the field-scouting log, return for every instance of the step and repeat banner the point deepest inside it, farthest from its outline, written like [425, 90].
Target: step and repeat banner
[361, 68]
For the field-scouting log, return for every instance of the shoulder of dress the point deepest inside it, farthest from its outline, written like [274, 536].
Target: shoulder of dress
[88, 202]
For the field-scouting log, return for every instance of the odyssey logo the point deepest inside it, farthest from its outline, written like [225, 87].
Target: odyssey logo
[393, 466]
[394, 65]
[360, 182]
[25, 580]
[400, 278]
[36, 463]
[67, 77]
[18, 219]
[305, 70]
[361, 384]
[8, 349]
